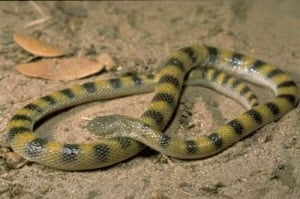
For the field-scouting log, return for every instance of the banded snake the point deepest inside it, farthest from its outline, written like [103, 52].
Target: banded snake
[167, 85]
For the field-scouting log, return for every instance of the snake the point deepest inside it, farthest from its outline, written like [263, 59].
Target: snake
[167, 85]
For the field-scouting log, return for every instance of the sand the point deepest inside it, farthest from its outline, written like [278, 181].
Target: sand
[139, 36]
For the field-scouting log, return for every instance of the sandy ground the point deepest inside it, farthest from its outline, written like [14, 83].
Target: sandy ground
[139, 36]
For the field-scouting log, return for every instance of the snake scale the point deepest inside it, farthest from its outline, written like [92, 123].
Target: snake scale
[167, 85]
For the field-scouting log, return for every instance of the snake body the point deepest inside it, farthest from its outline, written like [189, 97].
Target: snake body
[168, 84]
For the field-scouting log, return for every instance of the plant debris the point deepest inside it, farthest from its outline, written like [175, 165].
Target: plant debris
[37, 47]
[61, 69]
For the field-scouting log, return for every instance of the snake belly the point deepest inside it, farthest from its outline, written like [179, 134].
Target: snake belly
[168, 85]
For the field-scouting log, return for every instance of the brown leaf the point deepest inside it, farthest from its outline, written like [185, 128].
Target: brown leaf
[106, 60]
[37, 47]
[61, 69]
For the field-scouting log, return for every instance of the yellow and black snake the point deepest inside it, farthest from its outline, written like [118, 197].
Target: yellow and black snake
[168, 84]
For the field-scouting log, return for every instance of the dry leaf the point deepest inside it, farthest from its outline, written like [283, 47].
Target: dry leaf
[37, 47]
[61, 69]
[106, 60]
